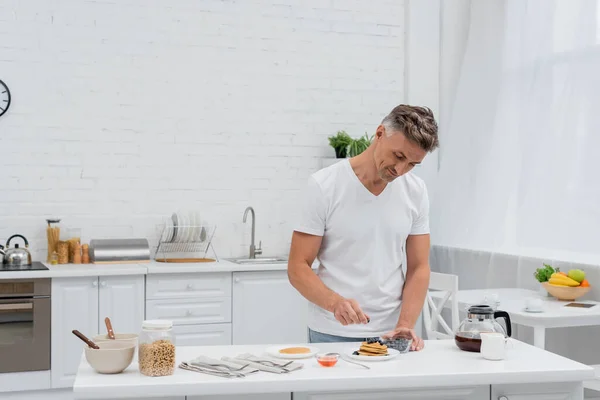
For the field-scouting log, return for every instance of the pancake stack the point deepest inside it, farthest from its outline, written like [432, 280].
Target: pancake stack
[373, 349]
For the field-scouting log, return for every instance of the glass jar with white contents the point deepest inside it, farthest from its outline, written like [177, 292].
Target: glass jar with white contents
[156, 349]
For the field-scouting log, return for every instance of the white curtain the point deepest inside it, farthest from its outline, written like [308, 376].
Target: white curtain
[519, 175]
[520, 154]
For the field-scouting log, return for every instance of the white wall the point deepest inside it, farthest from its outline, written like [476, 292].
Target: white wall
[126, 111]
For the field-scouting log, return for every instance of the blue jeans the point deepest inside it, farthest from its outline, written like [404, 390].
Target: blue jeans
[318, 337]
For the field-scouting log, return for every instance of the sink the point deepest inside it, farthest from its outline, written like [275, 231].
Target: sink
[259, 260]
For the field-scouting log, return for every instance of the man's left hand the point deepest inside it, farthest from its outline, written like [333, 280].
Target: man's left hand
[403, 332]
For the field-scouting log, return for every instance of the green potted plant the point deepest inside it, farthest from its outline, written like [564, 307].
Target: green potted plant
[359, 145]
[340, 143]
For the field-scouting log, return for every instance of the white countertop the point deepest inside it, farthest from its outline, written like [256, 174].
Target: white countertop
[223, 265]
[77, 270]
[439, 364]
[153, 267]
[514, 300]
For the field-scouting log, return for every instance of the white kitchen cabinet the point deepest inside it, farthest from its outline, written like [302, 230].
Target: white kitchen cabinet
[544, 391]
[121, 298]
[202, 335]
[179, 286]
[460, 393]
[198, 304]
[65, 394]
[83, 303]
[74, 306]
[267, 309]
[265, 396]
[191, 311]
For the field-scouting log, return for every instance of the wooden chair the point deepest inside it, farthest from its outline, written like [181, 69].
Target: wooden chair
[432, 309]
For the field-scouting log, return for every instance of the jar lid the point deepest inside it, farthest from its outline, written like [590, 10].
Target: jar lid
[157, 324]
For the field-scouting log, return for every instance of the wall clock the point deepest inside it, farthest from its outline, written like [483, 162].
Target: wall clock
[4, 98]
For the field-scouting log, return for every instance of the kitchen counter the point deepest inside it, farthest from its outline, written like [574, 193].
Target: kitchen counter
[153, 267]
[77, 270]
[222, 265]
[440, 365]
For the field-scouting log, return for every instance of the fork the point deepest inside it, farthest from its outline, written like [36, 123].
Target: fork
[225, 366]
[348, 361]
[211, 370]
[272, 364]
[222, 368]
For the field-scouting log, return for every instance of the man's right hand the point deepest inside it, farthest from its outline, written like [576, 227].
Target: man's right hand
[348, 312]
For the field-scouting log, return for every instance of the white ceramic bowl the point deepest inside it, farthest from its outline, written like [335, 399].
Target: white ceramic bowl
[119, 337]
[111, 358]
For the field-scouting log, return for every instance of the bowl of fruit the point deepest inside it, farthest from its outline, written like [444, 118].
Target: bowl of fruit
[567, 286]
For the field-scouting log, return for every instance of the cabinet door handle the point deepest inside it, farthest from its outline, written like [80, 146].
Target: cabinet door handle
[236, 280]
[502, 398]
[188, 313]
[190, 286]
[103, 283]
[95, 283]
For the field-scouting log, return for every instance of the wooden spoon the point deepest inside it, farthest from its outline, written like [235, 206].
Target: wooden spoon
[109, 328]
[85, 339]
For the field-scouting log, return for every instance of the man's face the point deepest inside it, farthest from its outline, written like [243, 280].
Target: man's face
[395, 155]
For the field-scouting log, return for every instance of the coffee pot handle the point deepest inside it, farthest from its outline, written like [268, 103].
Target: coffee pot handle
[504, 314]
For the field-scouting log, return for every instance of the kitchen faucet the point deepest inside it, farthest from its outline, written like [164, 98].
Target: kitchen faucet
[253, 250]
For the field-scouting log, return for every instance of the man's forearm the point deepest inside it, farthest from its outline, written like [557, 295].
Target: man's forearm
[303, 278]
[413, 295]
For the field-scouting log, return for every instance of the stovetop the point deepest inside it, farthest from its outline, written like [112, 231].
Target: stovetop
[35, 266]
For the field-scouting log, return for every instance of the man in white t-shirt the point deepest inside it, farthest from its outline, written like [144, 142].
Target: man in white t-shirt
[365, 218]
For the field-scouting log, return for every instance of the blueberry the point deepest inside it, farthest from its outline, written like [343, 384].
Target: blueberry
[355, 353]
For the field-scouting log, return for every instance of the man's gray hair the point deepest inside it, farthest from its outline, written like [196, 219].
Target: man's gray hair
[416, 123]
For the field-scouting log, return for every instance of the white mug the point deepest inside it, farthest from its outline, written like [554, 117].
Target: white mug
[493, 345]
[534, 304]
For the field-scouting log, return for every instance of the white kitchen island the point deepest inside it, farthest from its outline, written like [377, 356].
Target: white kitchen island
[439, 372]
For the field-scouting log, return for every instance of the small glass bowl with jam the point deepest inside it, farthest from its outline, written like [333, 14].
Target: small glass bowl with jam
[327, 359]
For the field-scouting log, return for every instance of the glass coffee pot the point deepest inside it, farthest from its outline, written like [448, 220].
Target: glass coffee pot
[480, 318]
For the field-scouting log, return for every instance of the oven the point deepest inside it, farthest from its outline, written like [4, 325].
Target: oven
[25, 325]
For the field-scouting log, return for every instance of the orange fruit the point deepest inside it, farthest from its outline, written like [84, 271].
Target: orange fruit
[584, 283]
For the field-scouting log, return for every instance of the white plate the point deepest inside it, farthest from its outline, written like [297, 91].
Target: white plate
[194, 232]
[168, 232]
[392, 353]
[183, 226]
[532, 311]
[176, 231]
[274, 351]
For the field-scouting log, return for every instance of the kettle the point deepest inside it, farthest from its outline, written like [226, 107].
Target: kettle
[17, 256]
[480, 318]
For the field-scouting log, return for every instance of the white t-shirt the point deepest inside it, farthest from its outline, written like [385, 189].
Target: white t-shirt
[364, 237]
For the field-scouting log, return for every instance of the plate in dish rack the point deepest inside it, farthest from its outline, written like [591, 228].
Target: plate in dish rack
[275, 351]
[392, 353]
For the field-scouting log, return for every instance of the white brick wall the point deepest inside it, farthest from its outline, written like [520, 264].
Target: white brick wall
[126, 111]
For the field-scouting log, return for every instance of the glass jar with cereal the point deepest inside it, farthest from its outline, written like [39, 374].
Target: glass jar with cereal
[156, 352]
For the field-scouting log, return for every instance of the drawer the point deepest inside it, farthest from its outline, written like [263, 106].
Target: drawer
[179, 286]
[202, 335]
[190, 311]
[532, 391]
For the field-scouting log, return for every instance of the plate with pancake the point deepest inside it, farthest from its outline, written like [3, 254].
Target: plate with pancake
[292, 351]
[372, 350]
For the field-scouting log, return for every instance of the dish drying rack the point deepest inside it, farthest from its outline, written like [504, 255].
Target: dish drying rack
[186, 244]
